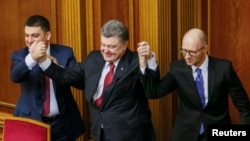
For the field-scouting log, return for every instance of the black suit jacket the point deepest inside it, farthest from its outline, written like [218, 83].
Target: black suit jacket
[124, 113]
[222, 82]
[30, 102]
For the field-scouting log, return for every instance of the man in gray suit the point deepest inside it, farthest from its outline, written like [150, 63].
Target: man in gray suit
[219, 81]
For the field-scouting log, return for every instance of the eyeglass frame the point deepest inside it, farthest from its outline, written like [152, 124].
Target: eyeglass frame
[191, 52]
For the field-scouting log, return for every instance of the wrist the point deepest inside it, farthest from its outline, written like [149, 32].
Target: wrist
[42, 59]
[150, 56]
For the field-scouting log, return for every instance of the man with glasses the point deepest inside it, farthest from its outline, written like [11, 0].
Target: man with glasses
[203, 92]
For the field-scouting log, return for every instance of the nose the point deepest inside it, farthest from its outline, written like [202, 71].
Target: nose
[105, 49]
[187, 55]
[29, 39]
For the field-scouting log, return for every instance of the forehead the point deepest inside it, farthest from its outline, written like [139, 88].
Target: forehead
[32, 30]
[110, 40]
[190, 42]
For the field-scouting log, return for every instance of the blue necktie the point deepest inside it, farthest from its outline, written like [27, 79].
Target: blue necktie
[200, 87]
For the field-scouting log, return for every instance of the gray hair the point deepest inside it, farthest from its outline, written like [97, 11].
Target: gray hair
[115, 28]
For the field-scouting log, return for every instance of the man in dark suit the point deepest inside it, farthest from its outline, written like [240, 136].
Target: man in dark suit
[124, 113]
[219, 81]
[64, 116]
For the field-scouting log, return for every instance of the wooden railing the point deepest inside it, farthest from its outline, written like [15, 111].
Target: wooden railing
[2, 117]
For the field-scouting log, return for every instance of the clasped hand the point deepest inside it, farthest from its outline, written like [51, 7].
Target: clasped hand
[38, 52]
[144, 53]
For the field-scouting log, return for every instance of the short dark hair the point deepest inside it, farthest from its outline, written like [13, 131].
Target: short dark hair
[113, 28]
[38, 20]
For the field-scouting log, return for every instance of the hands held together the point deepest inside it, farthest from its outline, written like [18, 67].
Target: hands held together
[38, 52]
[144, 53]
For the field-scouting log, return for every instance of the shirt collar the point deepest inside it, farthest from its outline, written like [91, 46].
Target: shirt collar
[115, 63]
[204, 65]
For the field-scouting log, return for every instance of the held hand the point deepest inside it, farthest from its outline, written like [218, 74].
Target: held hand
[53, 59]
[32, 47]
[144, 53]
[142, 61]
[38, 50]
[42, 58]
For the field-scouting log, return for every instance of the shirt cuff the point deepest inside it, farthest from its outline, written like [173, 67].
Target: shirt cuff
[151, 64]
[142, 70]
[45, 64]
[30, 62]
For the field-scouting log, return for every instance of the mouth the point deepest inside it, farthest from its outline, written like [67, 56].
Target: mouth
[189, 60]
[108, 55]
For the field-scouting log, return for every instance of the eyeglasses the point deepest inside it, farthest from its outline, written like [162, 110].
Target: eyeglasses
[190, 52]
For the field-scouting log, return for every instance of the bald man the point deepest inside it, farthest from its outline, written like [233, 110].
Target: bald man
[200, 104]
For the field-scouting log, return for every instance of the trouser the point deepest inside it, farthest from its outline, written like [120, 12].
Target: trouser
[58, 132]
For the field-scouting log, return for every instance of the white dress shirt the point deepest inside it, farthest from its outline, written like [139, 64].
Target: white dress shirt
[101, 80]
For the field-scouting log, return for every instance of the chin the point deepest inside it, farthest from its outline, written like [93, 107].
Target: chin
[189, 63]
[107, 59]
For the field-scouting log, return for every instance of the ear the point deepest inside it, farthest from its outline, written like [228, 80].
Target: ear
[206, 47]
[125, 44]
[48, 35]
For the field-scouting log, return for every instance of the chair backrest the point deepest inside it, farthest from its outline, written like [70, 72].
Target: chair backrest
[25, 129]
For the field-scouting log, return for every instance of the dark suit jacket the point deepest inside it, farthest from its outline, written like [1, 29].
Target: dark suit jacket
[124, 112]
[222, 82]
[30, 102]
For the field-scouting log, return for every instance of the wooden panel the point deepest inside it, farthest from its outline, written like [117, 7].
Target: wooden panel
[105, 10]
[230, 32]
[72, 33]
[155, 28]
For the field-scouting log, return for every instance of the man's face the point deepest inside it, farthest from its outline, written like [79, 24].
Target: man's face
[35, 34]
[193, 51]
[112, 48]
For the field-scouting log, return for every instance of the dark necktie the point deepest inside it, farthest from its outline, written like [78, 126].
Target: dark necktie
[46, 103]
[200, 87]
[108, 79]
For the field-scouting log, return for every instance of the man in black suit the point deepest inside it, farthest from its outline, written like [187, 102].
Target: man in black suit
[64, 116]
[124, 113]
[219, 81]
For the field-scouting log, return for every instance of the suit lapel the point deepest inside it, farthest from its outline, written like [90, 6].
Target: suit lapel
[96, 71]
[95, 76]
[123, 67]
[211, 78]
[54, 53]
[122, 71]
